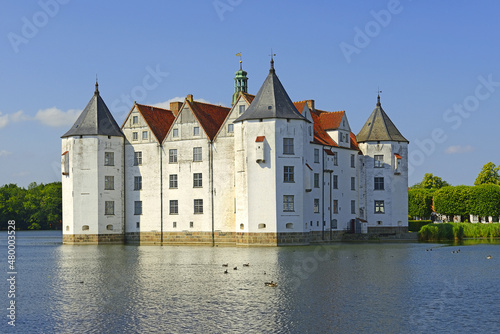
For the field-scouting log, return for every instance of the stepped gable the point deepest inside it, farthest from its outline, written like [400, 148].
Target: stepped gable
[159, 120]
[271, 101]
[379, 127]
[95, 119]
[210, 117]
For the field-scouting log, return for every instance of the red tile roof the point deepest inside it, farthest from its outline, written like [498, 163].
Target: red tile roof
[300, 106]
[330, 120]
[210, 116]
[320, 135]
[260, 139]
[354, 142]
[159, 120]
[248, 97]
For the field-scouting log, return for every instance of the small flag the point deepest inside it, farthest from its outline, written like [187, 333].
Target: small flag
[238, 54]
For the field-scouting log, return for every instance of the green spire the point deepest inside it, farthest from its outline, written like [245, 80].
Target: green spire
[240, 83]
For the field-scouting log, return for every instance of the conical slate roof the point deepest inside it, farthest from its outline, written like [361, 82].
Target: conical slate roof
[271, 101]
[95, 119]
[379, 127]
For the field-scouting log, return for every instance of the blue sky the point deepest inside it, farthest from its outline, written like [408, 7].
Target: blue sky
[435, 62]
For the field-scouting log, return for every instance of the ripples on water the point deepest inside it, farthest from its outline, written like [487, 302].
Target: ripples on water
[344, 288]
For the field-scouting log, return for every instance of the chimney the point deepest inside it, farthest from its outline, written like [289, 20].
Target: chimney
[175, 106]
[189, 97]
[310, 104]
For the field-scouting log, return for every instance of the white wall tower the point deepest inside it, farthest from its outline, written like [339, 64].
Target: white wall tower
[93, 177]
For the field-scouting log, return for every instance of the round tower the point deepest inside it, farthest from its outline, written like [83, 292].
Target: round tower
[93, 177]
[384, 173]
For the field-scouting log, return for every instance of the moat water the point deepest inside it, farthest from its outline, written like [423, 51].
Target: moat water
[341, 288]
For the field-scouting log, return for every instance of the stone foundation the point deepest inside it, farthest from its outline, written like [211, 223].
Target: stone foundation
[238, 238]
[93, 239]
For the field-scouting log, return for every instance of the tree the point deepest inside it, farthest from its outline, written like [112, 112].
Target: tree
[420, 203]
[488, 175]
[452, 201]
[431, 182]
[485, 200]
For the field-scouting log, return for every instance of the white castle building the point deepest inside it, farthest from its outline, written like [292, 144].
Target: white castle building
[267, 171]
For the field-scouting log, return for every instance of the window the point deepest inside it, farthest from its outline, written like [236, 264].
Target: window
[347, 139]
[175, 133]
[316, 205]
[341, 137]
[379, 183]
[144, 135]
[242, 109]
[197, 180]
[109, 207]
[85, 228]
[174, 224]
[191, 224]
[379, 207]
[174, 207]
[287, 145]
[138, 208]
[289, 225]
[379, 161]
[109, 182]
[316, 180]
[109, 158]
[172, 181]
[335, 159]
[230, 127]
[316, 155]
[335, 182]
[288, 174]
[197, 154]
[353, 161]
[109, 227]
[137, 158]
[172, 156]
[262, 226]
[137, 182]
[198, 206]
[353, 183]
[334, 223]
[288, 203]
[353, 207]
[196, 131]
[335, 206]
[135, 136]
[137, 224]
[135, 119]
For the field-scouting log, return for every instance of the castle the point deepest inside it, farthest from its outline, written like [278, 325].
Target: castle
[267, 171]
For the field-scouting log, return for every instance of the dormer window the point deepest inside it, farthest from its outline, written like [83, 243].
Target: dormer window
[242, 109]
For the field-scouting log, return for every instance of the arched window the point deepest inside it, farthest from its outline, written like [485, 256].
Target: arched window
[289, 225]
[262, 225]
[85, 228]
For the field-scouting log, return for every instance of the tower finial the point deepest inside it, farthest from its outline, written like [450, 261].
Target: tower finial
[96, 86]
[378, 97]
[239, 55]
[271, 70]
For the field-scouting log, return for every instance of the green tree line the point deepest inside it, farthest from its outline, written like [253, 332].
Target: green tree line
[37, 207]
[436, 195]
